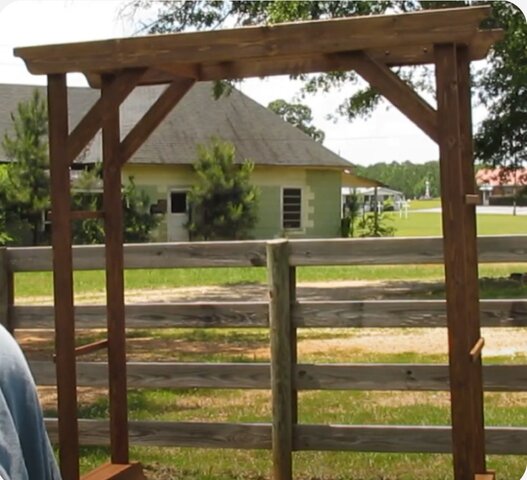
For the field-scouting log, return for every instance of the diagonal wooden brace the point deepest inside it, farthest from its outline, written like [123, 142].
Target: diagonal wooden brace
[154, 116]
[118, 91]
[399, 93]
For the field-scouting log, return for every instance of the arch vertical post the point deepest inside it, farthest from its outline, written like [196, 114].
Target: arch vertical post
[113, 227]
[63, 277]
[461, 259]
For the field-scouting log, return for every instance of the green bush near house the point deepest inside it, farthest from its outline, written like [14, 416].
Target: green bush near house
[223, 203]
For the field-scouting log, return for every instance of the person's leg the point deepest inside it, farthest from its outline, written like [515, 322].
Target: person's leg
[21, 400]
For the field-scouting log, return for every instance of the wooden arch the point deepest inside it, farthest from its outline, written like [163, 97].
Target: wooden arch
[448, 38]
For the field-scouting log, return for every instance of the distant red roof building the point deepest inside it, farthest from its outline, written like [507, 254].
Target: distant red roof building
[501, 177]
[499, 182]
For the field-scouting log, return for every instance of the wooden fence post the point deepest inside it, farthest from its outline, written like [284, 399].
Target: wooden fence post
[281, 359]
[6, 291]
[461, 259]
[294, 345]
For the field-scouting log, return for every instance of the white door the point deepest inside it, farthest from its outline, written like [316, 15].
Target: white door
[177, 216]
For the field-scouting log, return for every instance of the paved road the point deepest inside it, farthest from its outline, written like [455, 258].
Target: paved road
[482, 210]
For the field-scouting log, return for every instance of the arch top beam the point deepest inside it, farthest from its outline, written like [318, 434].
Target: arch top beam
[405, 38]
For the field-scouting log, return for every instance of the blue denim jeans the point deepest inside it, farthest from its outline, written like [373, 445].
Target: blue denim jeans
[25, 451]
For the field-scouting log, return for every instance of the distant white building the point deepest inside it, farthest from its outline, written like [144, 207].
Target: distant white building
[376, 196]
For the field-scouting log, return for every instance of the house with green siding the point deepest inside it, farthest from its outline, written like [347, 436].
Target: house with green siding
[299, 180]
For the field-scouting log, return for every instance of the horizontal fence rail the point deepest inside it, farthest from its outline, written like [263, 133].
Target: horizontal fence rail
[371, 438]
[289, 312]
[309, 314]
[379, 377]
[371, 251]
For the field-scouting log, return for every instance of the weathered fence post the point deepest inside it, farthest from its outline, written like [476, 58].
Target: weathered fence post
[281, 358]
[6, 291]
[294, 345]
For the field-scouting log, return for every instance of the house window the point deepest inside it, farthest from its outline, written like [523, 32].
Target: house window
[178, 202]
[292, 208]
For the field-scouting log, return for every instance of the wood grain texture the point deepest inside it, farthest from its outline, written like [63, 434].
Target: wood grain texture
[154, 315]
[281, 358]
[294, 342]
[461, 261]
[63, 276]
[183, 434]
[309, 314]
[381, 377]
[114, 265]
[403, 439]
[113, 471]
[424, 53]
[91, 347]
[372, 251]
[324, 36]
[399, 93]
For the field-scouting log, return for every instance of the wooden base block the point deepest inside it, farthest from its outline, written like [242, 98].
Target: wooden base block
[113, 471]
[490, 475]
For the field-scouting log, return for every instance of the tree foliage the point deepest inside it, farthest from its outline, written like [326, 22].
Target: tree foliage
[223, 203]
[375, 224]
[500, 139]
[26, 182]
[297, 115]
[501, 86]
[180, 15]
[137, 219]
[24, 187]
[406, 177]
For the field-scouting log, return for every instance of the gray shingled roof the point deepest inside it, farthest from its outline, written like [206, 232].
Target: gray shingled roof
[257, 133]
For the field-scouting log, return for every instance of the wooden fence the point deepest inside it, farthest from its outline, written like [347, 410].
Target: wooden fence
[286, 376]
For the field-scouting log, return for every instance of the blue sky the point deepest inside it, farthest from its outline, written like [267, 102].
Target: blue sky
[386, 136]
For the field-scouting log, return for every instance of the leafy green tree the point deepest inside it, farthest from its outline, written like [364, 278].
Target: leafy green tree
[375, 224]
[500, 140]
[501, 86]
[87, 196]
[351, 212]
[405, 177]
[27, 185]
[4, 235]
[137, 219]
[223, 203]
[297, 115]
[139, 222]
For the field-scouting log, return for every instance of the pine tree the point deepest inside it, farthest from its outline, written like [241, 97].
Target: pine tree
[27, 187]
[223, 202]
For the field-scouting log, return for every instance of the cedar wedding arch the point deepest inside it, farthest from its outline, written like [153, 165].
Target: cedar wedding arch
[449, 39]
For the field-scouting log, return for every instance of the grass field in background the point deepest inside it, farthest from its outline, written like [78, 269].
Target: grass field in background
[40, 284]
[420, 224]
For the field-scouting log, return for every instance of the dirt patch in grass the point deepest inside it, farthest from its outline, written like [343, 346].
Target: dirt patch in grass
[499, 341]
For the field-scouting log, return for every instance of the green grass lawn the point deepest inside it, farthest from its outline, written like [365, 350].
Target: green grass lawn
[40, 284]
[424, 204]
[429, 224]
